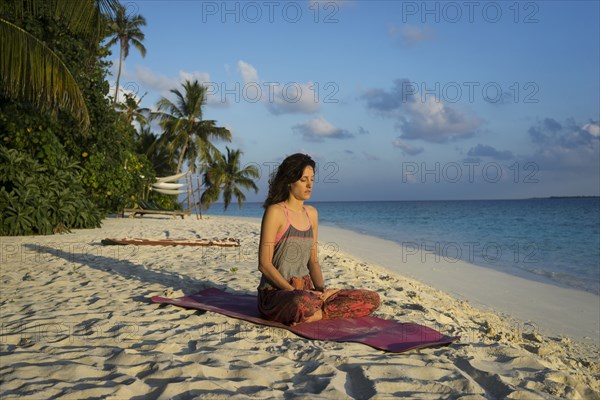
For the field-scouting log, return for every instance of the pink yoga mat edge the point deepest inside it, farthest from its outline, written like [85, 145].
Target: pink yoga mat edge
[381, 334]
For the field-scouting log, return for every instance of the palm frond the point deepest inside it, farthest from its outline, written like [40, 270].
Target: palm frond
[82, 16]
[139, 46]
[30, 69]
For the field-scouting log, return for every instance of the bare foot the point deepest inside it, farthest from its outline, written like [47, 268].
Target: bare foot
[317, 316]
[328, 293]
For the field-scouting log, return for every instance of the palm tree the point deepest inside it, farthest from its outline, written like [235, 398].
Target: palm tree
[224, 175]
[158, 155]
[131, 110]
[186, 133]
[29, 69]
[126, 30]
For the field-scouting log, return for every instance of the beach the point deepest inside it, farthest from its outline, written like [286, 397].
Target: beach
[77, 322]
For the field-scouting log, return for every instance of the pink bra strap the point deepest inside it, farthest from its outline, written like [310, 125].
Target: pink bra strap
[287, 215]
[280, 235]
[307, 216]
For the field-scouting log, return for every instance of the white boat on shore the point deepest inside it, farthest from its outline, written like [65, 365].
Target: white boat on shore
[172, 178]
[167, 185]
[169, 191]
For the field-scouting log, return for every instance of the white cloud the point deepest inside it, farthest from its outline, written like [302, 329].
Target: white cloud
[569, 134]
[290, 98]
[370, 157]
[406, 148]
[114, 69]
[249, 73]
[592, 128]
[428, 118]
[483, 150]
[163, 84]
[127, 90]
[127, 84]
[322, 127]
[566, 146]
[278, 97]
[409, 35]
[435, 121]
[318, 129]
[152, 82]
[201, 77]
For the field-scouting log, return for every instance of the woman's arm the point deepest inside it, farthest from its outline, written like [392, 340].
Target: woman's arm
[314, 267]
[313, 264]
[272, 221]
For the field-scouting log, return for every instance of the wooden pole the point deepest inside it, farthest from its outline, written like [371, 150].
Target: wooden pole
[188, 180]
[199, 197]
[193, 194]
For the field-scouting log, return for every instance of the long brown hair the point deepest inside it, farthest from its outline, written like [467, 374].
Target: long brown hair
[289, 171]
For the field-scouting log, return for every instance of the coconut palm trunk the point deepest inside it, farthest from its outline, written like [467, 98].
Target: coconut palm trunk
[118, 74]
[126, 31]
[182, 154]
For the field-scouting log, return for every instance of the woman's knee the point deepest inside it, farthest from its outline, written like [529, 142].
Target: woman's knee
[306, 300]
[373, 298]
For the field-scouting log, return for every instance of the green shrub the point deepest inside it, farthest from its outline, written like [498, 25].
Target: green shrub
[42, 199]
[113, 172]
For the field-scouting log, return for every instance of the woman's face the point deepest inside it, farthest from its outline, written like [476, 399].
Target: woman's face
[302, 188]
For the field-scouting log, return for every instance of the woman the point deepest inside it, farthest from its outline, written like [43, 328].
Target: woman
[291, 288]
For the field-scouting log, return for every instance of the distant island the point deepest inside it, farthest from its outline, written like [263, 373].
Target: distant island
[572, 197]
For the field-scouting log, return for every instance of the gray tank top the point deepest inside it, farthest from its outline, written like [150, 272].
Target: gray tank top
[292, 252]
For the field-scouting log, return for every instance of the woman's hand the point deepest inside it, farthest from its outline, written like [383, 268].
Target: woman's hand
[324, 294]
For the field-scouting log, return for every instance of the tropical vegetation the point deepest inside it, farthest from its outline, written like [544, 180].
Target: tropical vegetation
[71, 151]
[226, 175]
[185, 132]
[126, 31]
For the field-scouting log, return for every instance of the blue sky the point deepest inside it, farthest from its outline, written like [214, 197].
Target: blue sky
[395, 100]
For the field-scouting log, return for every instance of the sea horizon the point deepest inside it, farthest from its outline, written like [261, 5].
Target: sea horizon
[233, 204]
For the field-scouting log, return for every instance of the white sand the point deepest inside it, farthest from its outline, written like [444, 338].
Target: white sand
[76, 322]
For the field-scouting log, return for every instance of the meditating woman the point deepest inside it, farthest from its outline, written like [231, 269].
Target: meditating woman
[291, 288]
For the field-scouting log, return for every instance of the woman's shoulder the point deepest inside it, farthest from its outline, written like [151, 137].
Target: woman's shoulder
[276, 206]
[312, 211]
[275, 211]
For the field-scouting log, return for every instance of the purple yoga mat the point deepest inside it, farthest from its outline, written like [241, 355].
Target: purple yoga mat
[376, 332]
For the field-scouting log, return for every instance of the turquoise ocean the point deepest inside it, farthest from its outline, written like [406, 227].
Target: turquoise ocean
[554, 240]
